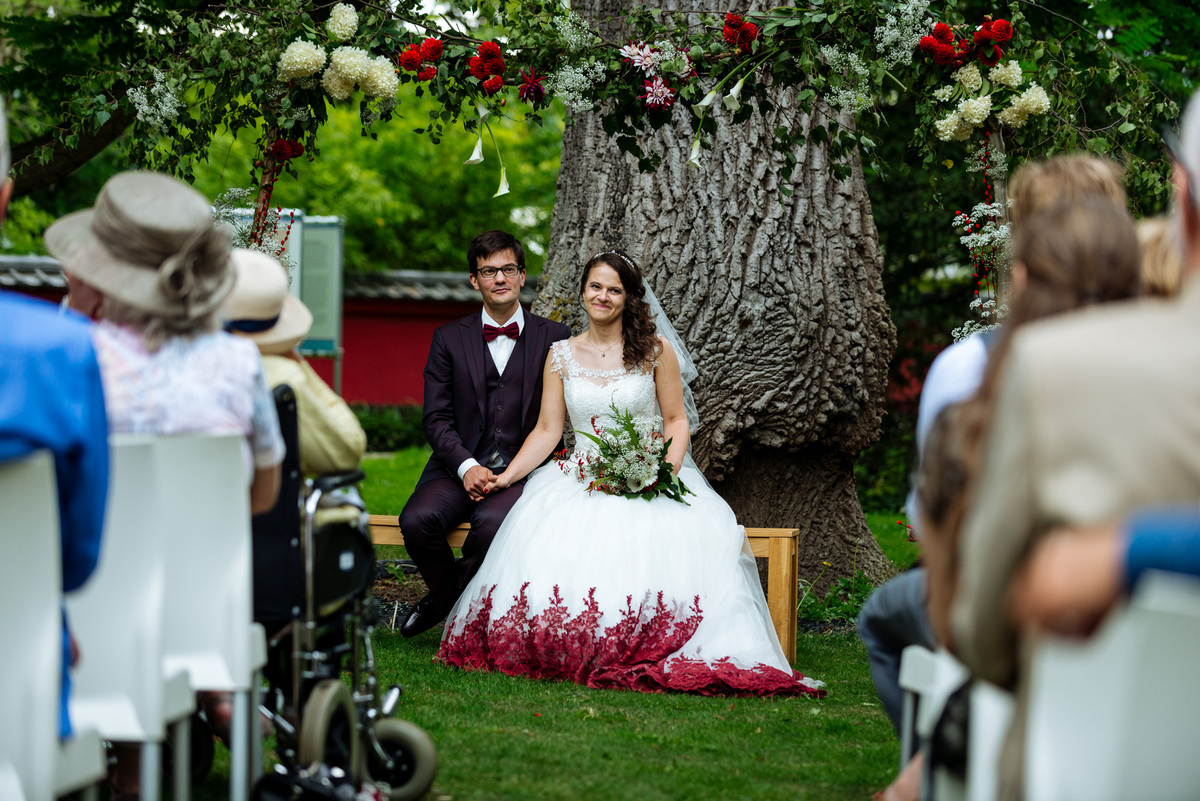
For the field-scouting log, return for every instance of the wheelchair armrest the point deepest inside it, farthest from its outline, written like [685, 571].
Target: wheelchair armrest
[335, 481]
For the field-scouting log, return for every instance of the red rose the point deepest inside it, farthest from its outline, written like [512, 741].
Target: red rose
[942, 53]
[531, 90]
[427, 74]
[431, 49]
[493, 85]
[746, 36]
[494, 65]
[410, 59]
[943, 33]
[730, 35]
[984, 35]
[478, 68]
[993, 58]
[489, 50]
[733, 21]
[1001, 30]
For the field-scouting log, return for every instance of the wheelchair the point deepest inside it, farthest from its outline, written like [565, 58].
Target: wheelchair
[314, 566]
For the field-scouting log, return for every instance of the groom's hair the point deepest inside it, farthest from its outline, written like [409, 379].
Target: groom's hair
[490, 242]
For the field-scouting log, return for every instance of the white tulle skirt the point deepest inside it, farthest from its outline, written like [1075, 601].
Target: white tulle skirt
[618, 593]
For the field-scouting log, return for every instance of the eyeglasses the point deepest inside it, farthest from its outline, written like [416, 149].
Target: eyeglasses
[1175, 151]
[509, 271]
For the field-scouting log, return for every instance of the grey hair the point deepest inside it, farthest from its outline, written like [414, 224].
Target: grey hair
[156, 329]
[5, 155]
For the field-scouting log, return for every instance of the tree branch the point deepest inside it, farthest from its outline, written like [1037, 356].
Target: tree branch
[29, 175]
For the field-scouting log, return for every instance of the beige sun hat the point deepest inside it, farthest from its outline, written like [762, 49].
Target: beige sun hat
[260, 307]
[150, 242]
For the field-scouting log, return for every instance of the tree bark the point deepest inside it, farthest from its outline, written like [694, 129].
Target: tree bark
[31, 176]
[780, 303]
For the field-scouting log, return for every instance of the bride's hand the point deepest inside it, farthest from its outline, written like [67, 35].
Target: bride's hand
[499, 482]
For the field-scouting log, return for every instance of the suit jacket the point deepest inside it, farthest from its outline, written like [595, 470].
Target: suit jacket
[1098, 413]
[455, 386]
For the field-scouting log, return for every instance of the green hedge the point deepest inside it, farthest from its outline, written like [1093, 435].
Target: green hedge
[391, 428]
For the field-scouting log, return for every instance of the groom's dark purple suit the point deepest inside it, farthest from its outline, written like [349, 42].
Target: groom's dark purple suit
[471, 411]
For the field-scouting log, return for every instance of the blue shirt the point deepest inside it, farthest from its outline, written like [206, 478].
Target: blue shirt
[1166, 538]
[51, 397]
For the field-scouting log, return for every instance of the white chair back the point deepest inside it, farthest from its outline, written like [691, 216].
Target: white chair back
[209, 602]
[30, 627]
[1118, 717]
[117, 616]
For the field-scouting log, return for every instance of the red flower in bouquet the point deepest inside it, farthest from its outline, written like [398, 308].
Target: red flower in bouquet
[531, 90]
[493, 85]
[943, 33]
[431, 49]
[495, 66]
[943, 54]
[489, 50]
[410, 59]
[733, 24]
[746, 36]
[478, 68]
[658, 93]
[285, 150]
[427, 74]
[993, 57]
[984, 34]
[1001, 31]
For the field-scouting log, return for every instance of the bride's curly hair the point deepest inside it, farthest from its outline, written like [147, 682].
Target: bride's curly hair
[641, 345]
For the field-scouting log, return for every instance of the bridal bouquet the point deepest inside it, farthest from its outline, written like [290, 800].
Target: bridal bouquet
[632, 460]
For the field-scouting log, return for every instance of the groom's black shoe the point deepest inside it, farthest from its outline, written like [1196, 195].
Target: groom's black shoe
[424, 616]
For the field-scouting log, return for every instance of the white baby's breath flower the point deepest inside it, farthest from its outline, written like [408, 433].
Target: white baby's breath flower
[381, 80]
[342, 22]
[336, 85]
[300, 60]
[1008, 74]
[351, 63]
[969, 77]
[897, 38]
[574, 32]
[573, 84]
[943, 94]
[158, 104]
[975, 110]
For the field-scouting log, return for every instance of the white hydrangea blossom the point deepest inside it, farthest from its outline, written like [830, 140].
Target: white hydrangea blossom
[944, 93]
[975, 110]
[1014, 116]
[300, 60]
[969, 77]
[342, 22]
[952, 128]
[852, 96]
[1007, 74]
[574, 32]
[336, 85]
[157, 105]
[573, 84]
[1034, 100]
[381, 80]
[351, 63]
[897, 38]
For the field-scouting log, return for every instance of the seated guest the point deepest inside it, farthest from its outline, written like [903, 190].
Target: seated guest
[895, 615]
[1162, 260]
[51, 398]
[261, 309]
[157, 267]
[1096, 415]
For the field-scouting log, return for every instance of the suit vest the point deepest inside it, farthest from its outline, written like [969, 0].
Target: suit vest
[502, 410]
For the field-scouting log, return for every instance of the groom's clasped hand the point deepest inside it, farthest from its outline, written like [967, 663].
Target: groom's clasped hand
[478, 481]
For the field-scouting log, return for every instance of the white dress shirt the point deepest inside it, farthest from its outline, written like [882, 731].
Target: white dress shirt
[501, 349]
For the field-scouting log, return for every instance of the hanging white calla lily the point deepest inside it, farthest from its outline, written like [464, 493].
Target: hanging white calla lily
[477, 153]
[703, 105]
[503, 190]
[694, 158]
[731, 100]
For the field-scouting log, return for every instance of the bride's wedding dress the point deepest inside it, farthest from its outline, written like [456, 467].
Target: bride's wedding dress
[614, 592]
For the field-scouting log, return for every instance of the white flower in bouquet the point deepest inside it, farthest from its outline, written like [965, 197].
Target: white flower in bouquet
[381, 80]
[975, 110]
[671, 60]
[731, 102]
[969, 77]
[1034, 100]
[642, 57]
[157, 105]
[351, 62]
[300, 60]
[1008, 74]
[342, 22]
[1014, 116]
[574, 32]
[943, 94]
[336, 85]
[952, 128]
[573, 84]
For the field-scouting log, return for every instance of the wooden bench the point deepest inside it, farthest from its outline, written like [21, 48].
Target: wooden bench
[777, 545]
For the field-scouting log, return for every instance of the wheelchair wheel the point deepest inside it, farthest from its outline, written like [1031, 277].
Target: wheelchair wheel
[413, 760]
[328, 731]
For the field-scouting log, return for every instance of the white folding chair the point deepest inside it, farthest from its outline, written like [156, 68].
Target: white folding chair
[121, 686]
[928, 679]
[1118, 716]
[30, 627]
[209, 606]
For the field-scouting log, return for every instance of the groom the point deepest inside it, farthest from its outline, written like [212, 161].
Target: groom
[483, 391]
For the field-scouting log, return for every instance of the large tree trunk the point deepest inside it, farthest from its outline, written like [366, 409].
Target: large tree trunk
[781, 306]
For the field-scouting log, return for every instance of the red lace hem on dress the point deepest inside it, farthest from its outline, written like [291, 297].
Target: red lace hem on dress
[632, 654]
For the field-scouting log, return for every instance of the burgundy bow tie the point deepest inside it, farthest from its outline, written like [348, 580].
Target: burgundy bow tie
[490, 332]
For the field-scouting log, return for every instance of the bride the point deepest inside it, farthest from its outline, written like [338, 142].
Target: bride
[600, 589]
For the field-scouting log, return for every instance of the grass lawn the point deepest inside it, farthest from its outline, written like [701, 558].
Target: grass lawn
[501, 737]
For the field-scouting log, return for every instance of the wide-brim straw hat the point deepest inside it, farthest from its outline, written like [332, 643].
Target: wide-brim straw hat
[261, 308]
[150, 242]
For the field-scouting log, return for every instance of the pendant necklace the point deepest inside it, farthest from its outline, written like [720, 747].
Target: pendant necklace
[603, 351]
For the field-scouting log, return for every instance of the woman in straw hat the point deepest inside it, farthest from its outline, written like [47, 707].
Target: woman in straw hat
[261, 309]
[153, 269]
